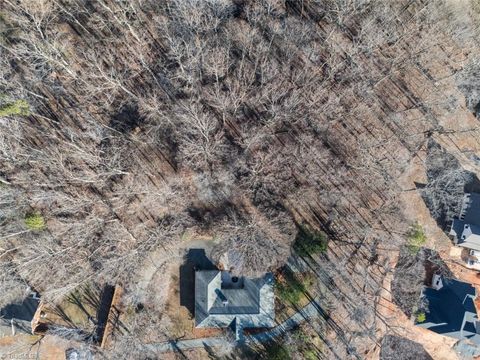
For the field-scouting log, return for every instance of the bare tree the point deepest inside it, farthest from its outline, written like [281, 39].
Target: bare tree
[251, 244]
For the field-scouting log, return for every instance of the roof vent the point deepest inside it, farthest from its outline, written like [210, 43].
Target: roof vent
[225, 302]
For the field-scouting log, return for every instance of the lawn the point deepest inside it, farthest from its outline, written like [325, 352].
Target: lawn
[293, 291]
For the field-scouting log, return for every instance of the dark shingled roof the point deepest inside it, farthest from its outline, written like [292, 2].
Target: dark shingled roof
[24, 310]
[448, 307]
[470, 213]
[457, 228]
[222, 300]
[466, 229]
[240, 301]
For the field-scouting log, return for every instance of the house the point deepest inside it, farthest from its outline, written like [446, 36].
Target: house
[17, 317]
[451, 309]
[465, 229]
[223, 300]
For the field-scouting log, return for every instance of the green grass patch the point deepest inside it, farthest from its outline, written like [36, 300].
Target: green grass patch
[276, 351]
[310, 355]
[290, 288]
[17, 107]
[304, 345]
[310, 242]
[34, 221]
[416, 239]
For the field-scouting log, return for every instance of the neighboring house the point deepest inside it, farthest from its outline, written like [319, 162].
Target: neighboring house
[465, 230]
[223, 300]
[451, 309]
[17, 317]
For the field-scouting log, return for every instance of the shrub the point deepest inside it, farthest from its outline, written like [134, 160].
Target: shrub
[291, 289]
[309, 242]
[34, 221]
[416, 238]
[310, 355]
[421, 317]
[303, 344]
[276, 352]
[18, 107]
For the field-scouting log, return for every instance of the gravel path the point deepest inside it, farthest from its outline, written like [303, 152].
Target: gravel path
[310, 310]
[151, 265]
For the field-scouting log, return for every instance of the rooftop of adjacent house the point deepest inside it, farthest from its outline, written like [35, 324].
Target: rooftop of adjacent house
[448, 308]
[222, 299]
[470, 211]
[466, 235]
[21, 314]
[466, 229]
[23, 310]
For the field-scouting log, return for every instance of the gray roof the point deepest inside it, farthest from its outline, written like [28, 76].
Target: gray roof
[466, 229]
[24, 310]
[240, 301]
[222, 300]
[466, 235]
[470, 211]
[457, 229]
[451, 310]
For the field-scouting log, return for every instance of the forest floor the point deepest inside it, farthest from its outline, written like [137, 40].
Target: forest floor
[34, 347]
[461, 144]
[367, 114]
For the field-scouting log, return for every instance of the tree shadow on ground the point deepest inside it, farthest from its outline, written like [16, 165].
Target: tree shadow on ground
[398, 348]
[446, 185]
[95, 303]
[195, 259]
[127, 119]
[103, 310]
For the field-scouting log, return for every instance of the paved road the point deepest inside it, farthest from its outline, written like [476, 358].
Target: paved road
[312, 309]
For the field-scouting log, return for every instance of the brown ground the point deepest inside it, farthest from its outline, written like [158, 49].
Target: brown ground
[31, 347]
[194, 354]
[284, 309]
[367, 127]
